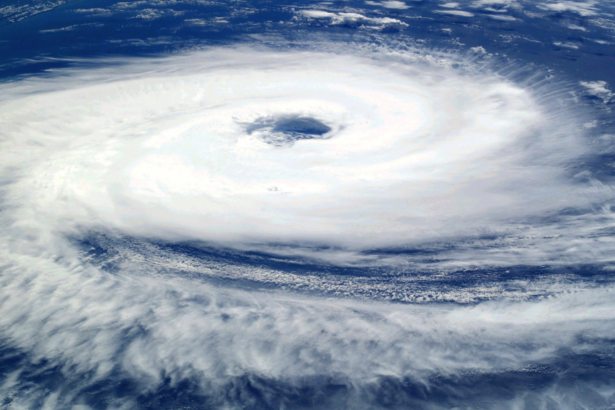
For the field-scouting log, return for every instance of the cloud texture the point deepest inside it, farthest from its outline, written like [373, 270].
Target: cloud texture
[413, 148]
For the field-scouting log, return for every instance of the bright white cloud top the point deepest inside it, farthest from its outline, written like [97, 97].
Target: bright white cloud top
[397, 150]
[359, 150]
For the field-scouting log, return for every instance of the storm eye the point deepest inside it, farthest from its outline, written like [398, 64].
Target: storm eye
[284, 131]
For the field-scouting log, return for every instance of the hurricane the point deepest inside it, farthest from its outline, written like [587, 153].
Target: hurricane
[335, 223]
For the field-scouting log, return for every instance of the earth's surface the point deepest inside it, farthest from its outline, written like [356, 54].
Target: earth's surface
[307, 205]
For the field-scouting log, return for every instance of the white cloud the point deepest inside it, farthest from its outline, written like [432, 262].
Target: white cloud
[575, 27]
[155, 327]
[599, 89]
[581, 8]
[500, 5]
[93, 11]
[392, 4]
[355, 19]
[566, 44]
[152, 14]
[335, 191]
[18, 12]
[419, 150]
[318, 14]
[501, 17]
[197, 22]
[456, 13]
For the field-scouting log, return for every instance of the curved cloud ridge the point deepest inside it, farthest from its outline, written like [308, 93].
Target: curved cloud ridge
[413, 152]
[102, 329]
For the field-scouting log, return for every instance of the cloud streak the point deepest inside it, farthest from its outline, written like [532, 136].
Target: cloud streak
[148, 328]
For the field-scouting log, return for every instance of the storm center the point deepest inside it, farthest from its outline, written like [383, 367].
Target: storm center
[285, 130]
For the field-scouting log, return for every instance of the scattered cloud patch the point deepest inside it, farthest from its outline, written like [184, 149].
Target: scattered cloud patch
[146, 10]
[566, 45]
[599, 89]
[391, 4]
[582, 8]
[456, 13]
[318, 14]
[575, 27]
[17, 12]
[501, 17]
[56, 30]
[603, 23]
[533, 14]
[355, 19]
[496, 6]
[152, 14]
[97, 10]
[71, 28]
[196, 22]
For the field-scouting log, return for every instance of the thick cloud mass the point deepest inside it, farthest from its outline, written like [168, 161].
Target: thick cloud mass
[407, 150]
[328, 156]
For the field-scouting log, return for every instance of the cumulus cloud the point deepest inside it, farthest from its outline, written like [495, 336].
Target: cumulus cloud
[393, 4]
[496, 5]
[599, 89]
[580, 7]
[355, 19]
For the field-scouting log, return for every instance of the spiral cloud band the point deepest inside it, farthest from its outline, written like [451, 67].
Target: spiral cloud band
[296, 147]
[325, 159]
